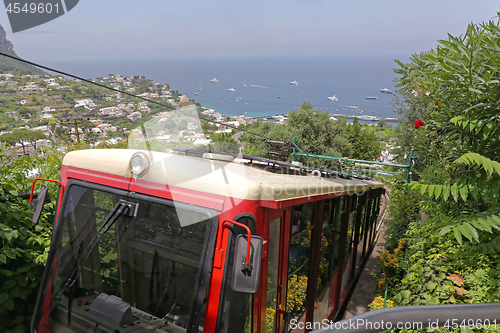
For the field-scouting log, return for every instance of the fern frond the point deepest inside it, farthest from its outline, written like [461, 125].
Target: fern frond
[488, 165]
[468, 226]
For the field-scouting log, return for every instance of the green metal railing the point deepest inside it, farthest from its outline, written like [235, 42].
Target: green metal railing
[384, 176]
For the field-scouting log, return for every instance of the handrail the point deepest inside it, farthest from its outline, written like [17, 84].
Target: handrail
[417, 317]
[218, 249]
[353, 160]
[60, 194]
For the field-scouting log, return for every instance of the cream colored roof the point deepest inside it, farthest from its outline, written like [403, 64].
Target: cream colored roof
[233, 179]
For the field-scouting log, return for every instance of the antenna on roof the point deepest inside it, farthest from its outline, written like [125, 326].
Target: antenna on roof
[279, 149]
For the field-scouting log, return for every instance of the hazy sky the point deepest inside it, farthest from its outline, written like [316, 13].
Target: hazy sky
[163, 28]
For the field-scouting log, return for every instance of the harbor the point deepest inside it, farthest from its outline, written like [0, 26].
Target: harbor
[283, 116]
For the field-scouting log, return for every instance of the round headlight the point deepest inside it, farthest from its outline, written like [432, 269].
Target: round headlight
[139, 164]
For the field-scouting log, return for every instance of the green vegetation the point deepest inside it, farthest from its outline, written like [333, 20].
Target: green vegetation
[13, 66]
[363, 142]
[24, 246]
[22, 136]
[317, 134]
[453, 256]
[458, 146]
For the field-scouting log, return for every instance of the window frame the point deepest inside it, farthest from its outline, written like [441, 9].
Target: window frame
[206, 260]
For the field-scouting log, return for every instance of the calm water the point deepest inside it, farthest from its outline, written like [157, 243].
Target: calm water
[262, 85]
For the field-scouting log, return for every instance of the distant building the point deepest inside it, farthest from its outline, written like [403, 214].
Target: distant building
[47, 130]
[109, 111]
[29, 88]
[134, 116]
[184, 101]
[30, 76]
[8, 83]
[6, 76]
[86, 103]
[12, 115]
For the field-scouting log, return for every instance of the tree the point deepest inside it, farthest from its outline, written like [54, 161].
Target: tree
[382, 123]
[364, 141]
[33, 136]
[313, 130]
[224, 142]
[22, 136]
[25, 112]
[318, 134]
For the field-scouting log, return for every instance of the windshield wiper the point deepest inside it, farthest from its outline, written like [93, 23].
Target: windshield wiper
[123, 207]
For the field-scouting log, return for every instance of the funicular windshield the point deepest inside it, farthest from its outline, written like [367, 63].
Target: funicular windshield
[118, 268]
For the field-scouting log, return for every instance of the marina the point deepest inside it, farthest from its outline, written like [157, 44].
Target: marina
[336, 115]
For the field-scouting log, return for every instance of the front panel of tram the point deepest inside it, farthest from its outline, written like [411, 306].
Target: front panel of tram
[123, 262]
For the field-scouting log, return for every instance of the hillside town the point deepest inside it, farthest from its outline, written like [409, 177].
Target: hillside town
[67, 110]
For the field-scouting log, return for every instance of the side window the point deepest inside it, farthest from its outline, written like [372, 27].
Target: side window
[299, 258]
[340, 205]
[272, 274]
[362, 223]
[350, 227]
[236, 308]
[326, 246]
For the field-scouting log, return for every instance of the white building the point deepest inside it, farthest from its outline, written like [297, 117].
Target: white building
[134, 116]
[86, 103]
[109, 111]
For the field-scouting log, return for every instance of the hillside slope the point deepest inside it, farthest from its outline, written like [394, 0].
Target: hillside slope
[10, 65]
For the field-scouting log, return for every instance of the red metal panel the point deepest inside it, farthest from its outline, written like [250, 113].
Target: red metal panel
[154, 189]
[68, 172]
[177, 194]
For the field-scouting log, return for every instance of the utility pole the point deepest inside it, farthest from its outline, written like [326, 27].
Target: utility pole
[75, 124]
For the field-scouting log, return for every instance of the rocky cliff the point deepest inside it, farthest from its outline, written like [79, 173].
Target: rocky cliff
[5, 45]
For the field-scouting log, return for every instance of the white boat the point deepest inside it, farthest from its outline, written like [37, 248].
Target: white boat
[231, 90]
[214, 80]
[200, 87]
[333, 98]
[386, 91]
[371, 97]
[295, 83]
[244, 84]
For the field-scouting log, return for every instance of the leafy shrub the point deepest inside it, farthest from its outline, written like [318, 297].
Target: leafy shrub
[430, 281]
[391, 271]
[378, 303]
[296, 294]
[438, 270]
[403, 209]
[24, 246]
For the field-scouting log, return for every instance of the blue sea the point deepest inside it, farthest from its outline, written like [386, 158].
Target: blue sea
[262, 84]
